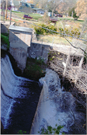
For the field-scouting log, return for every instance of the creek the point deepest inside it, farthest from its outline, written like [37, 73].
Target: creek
[19, 99]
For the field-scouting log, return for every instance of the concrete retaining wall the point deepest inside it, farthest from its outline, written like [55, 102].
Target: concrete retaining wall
[21, 46]
[39, 50]
[20, 39]
[4, 29]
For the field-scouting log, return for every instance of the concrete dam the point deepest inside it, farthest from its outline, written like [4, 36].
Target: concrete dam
[17, 93]
[20, 109]
[30, 105]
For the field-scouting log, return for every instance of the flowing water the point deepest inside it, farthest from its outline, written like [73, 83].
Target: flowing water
[58, 107]
[19, 98]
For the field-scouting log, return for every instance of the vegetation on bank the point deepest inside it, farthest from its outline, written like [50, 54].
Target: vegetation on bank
[35, 69]
[5, 40]
[51, 130]
[42, 29]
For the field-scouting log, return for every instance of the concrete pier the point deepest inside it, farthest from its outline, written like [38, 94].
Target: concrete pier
[20, 40]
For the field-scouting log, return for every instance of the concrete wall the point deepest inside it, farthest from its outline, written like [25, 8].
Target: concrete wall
[4, 29]
[20, 39]
[21, 46]
[39, 50]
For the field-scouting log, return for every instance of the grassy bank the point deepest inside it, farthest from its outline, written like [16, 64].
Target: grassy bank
[5, 39]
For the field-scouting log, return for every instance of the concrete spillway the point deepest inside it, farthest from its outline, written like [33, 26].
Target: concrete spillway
[19, 98]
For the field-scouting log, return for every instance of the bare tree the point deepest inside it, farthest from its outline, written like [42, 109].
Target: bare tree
[5, 4]
[81, 8]
[59, 5]
[53, 5]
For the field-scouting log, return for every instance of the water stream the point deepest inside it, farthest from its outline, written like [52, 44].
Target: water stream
[19, 98]
[58, 107]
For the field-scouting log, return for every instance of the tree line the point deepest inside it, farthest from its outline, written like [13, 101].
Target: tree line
[76, 8]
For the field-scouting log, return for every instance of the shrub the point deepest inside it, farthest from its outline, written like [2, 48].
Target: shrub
[66, 31]
[21, 132]
[75, 32]
[61, 31]
[34, 69]
[40, 30]
[51, 130]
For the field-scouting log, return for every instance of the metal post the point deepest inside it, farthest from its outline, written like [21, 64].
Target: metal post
[3, 15]
[79, 70]
[10, 16]
[53, 41]
[67, 62]
[3, 8]
[6, 11]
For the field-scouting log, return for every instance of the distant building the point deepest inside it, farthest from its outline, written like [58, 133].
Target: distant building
[29, 8]
[11, 4]
[27, 4]
[38, 10]
[26, 7]
[14, 5]
[49, 14]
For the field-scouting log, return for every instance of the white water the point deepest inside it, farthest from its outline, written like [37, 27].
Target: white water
[13, 88]
[9, 111]
[12, 84]
[56, 107]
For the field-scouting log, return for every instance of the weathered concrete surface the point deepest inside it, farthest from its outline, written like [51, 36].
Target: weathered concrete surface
[20, 39]
[4, 29]
[39, 51]
[66, 48]
[20, 56]
[5, 25]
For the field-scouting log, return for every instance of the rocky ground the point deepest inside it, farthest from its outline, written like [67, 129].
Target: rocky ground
[55, 62]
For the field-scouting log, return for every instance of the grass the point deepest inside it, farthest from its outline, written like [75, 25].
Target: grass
[34, 15]
[70, 18]
[55, 39]
[5, 39]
